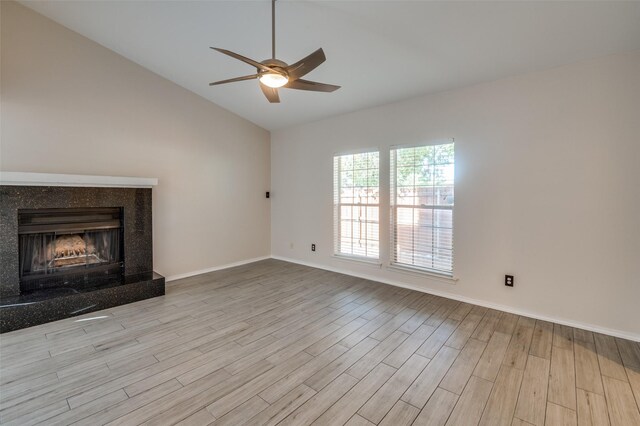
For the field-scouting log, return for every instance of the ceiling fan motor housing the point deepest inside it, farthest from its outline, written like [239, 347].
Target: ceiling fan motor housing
[276, 64]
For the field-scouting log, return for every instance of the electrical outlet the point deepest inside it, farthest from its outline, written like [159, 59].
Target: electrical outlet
[313, 247]
[508, 280]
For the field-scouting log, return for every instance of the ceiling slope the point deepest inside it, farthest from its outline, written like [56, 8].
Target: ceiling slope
[379, 52]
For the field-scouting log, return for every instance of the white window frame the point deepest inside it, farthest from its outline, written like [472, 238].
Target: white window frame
[337, 209]
[393, 169]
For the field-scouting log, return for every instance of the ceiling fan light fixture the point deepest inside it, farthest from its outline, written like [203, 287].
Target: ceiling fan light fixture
[274, 80]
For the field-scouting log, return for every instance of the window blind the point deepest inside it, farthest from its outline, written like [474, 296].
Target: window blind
[356, 180]
[422, 189]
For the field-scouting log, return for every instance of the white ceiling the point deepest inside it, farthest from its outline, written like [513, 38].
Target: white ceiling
[378, 51]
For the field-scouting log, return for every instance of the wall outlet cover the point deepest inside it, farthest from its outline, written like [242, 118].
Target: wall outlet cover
[508, 280]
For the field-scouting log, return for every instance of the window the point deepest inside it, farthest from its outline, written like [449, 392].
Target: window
[422, 207]
[356, 204]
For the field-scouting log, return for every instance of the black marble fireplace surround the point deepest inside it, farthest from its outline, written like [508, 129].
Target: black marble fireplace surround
[134, 281]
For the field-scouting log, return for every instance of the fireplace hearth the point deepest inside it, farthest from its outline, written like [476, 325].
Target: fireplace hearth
[66, 251]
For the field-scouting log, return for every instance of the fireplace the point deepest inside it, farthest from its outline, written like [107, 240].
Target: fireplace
[70, 250]
[69, 247]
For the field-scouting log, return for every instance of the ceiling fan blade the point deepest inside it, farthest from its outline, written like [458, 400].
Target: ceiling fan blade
[311, 85]
[246, 60]
[231, 80]
[306, 65]
[270, 93]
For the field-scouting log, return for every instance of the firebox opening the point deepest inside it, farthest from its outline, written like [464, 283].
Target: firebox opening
[60, 247]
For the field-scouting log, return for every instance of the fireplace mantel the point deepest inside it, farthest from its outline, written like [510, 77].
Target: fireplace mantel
[54, 179]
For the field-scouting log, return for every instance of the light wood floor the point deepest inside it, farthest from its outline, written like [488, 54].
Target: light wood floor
[278, 343]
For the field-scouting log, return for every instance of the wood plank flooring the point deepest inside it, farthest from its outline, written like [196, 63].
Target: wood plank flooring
[279, 343]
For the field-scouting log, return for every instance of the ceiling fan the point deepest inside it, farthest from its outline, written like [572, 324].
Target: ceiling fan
[274, 73]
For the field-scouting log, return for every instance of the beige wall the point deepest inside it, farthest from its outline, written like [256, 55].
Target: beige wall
[70, 105]
[547, 188]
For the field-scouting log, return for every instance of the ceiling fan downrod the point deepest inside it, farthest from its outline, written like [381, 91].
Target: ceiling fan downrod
[273, 29]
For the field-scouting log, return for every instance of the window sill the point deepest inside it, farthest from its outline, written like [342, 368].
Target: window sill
[422, 272]
[374, 262]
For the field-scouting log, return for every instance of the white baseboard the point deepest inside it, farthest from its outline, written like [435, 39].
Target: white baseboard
[484, 303]
[214, 268]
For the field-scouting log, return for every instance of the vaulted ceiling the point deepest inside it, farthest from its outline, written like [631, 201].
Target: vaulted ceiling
[378, 51]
